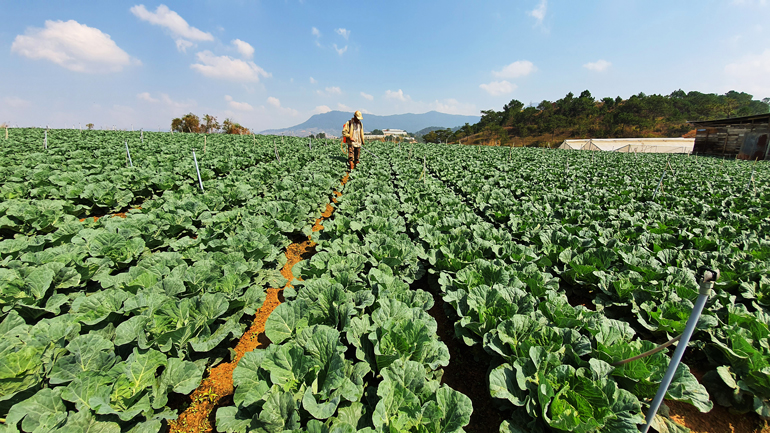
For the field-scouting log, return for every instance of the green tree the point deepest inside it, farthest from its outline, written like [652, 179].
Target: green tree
[176, 124]
[231, 127]
[90, 126]
[377, 132]
[188, 123]
[210, 124]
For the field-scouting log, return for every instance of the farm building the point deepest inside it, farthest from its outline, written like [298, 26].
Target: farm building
[638, 145]
[394, 132]
[742, 137]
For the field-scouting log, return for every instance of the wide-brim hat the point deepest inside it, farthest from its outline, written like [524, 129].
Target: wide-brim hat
[359, 116]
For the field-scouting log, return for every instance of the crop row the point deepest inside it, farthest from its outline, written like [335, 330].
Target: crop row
[549, 359]
[353, 348]
[103, 319]
[593, 217]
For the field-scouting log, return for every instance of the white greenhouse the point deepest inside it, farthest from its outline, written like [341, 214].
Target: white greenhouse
[631, 145]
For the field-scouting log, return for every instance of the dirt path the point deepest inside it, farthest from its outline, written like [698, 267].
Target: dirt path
[217, 389]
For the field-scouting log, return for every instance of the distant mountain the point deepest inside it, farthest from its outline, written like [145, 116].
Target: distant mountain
[331, 123]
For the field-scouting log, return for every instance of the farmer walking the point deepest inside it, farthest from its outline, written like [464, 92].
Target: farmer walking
[353, 135]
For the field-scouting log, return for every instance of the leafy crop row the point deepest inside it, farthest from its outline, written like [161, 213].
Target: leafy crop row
[593, 220]
[353, 349]
[550, 354]
[103, 318]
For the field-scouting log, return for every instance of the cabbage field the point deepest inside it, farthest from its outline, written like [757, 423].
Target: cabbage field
[124, 283]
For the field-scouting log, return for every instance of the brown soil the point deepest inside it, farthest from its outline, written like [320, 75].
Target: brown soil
[327, 213]
[119, 214]
[717, 420]
[467, 373]
[217, 388]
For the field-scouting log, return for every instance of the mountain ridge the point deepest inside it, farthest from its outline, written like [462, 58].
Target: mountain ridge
[331, 122]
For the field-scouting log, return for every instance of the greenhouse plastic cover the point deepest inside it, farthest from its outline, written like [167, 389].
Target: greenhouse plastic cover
[639, 145]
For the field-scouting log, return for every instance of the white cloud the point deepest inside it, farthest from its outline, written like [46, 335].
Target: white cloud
[240, 106]
[321, 109]
[367, 96]
[340, 51]
[343, 32]
[74, 46]
[227, 68]
[496, 88]
[328, 91]
[317, 33]
[183, 44]
[750, 74]
[276, 103]
[165, 99]
[343, 107]
[145, 96]
[598, 66]
[313, 80]
[176, 104]
[516, 69]
[244, 48]
[398, 96]
[539, 12]
[453, 106]
[164, 17]
[16, 102]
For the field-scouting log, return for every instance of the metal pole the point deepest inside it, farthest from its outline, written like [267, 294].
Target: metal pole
[751, 179]
[370, 152]
[705, 289]
[197, 170]
[129, 154]
[276, 150]
[659, 184]
[45, 138]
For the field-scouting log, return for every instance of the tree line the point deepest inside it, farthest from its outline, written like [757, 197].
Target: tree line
[208, 125]
[586, 117]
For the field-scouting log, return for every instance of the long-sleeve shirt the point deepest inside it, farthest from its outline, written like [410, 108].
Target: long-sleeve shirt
[354, 132]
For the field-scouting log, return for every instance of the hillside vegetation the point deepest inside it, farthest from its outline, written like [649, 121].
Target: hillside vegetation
[641, 115]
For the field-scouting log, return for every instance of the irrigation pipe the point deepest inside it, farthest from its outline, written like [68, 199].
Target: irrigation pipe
[370, 153]
[709, 277]
[129, 154]
[659, 184]
[648, 353]
[197, 170]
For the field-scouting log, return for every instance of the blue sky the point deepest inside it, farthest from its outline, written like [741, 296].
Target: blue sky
[273, 64]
